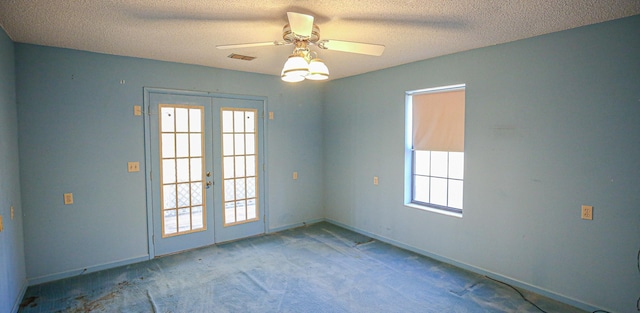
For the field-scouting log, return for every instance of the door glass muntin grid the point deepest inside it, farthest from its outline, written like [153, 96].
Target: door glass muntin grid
[181, 172]
[239, 165]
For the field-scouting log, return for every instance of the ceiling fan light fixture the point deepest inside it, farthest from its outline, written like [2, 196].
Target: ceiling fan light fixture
[295, 69]
[292, 78]
[317, 70]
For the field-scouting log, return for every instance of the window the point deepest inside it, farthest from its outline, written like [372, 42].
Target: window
[434, 170]
[181, 148]
[239, 165]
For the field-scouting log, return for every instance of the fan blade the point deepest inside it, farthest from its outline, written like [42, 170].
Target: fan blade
[249, 45]
[301, 24]
[350, 46]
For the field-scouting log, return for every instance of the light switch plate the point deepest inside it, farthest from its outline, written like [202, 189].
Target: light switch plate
[375, 180]
[68, 198]
[137, 110]
[295, 175]
[12, 212]
[271, 115]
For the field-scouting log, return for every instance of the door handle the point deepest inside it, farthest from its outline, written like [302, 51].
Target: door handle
[209, 183]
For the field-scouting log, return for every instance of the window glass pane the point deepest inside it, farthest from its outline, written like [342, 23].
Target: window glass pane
[197, 217]
[251, 187]
[250, 122]
[252, 210]
[227, 144]
[182, 120]
[241, 212]
[170, 222]
[169, 195]
[438, 191]
[196, 193]
[183, 170]
[240, 167]
[228, 167]
[439, 163]
[421, 189]
[240, 189]
[195, 148]
[167, 119]
[184, 195]
[196, 169]
[227, 121]
[168, 146]
[238, 121]
[229, 212]
[455, 194]
[239, 144]
[456, 165]
[421, 162]
[229, 189]
[184, 220]
[168, 171]
[251, 144]
[251, 166]
[182, 145]
[195, 120]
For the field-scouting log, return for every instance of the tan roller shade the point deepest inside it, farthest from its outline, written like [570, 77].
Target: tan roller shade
[438, 121]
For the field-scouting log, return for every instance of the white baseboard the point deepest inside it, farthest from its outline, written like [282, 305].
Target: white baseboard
[18, 301]
[291, 226]
[80, 271]
[471, 268]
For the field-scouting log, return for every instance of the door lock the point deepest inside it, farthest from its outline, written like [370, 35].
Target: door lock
[208, 174]
[209, 183]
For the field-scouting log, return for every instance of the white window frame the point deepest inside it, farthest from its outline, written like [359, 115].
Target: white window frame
[409, 154]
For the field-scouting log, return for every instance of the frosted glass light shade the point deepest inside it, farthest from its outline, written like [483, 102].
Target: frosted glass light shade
[317, 70]
[292, 78]
[295, 69]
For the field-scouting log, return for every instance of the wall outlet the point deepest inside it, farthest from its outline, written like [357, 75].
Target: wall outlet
[375, 180]
[295, 175]
[133, 166]
[12, 212]
[1, 227]
[587, 212]
[68, 198]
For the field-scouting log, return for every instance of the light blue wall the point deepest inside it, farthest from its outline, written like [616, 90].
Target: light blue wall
[12, 265]
[552, 123]
[77, 133]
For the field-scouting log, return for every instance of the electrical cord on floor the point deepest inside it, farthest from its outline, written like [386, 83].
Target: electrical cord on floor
[520, 293]
[541, 310]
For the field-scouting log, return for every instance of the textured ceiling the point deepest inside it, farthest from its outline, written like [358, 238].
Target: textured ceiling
[187, 31]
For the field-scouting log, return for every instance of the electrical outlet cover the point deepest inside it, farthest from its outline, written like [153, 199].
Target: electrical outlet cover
[587, 212]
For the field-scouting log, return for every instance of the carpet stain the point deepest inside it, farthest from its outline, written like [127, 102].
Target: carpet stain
[29, 302]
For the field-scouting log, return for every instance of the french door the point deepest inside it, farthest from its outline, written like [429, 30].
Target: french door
[205, 176]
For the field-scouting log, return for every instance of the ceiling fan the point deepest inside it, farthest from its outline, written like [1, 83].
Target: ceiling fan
[302, 33]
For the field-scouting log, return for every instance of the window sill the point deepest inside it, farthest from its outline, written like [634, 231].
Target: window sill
[434, 210]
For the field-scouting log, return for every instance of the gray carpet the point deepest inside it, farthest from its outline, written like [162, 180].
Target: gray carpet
[318, 268]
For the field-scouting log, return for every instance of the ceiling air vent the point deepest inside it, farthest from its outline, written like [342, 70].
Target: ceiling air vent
[240, 57]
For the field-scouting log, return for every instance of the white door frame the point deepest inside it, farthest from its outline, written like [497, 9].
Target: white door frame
[147, 146]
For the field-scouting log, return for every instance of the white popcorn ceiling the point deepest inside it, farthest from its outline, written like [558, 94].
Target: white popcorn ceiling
[187, 31]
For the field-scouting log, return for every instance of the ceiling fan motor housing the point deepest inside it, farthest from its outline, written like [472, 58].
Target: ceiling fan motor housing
[291, 37]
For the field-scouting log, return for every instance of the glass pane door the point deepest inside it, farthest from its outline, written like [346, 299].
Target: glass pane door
[240, 163]
[180, 132]
[181, 173]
